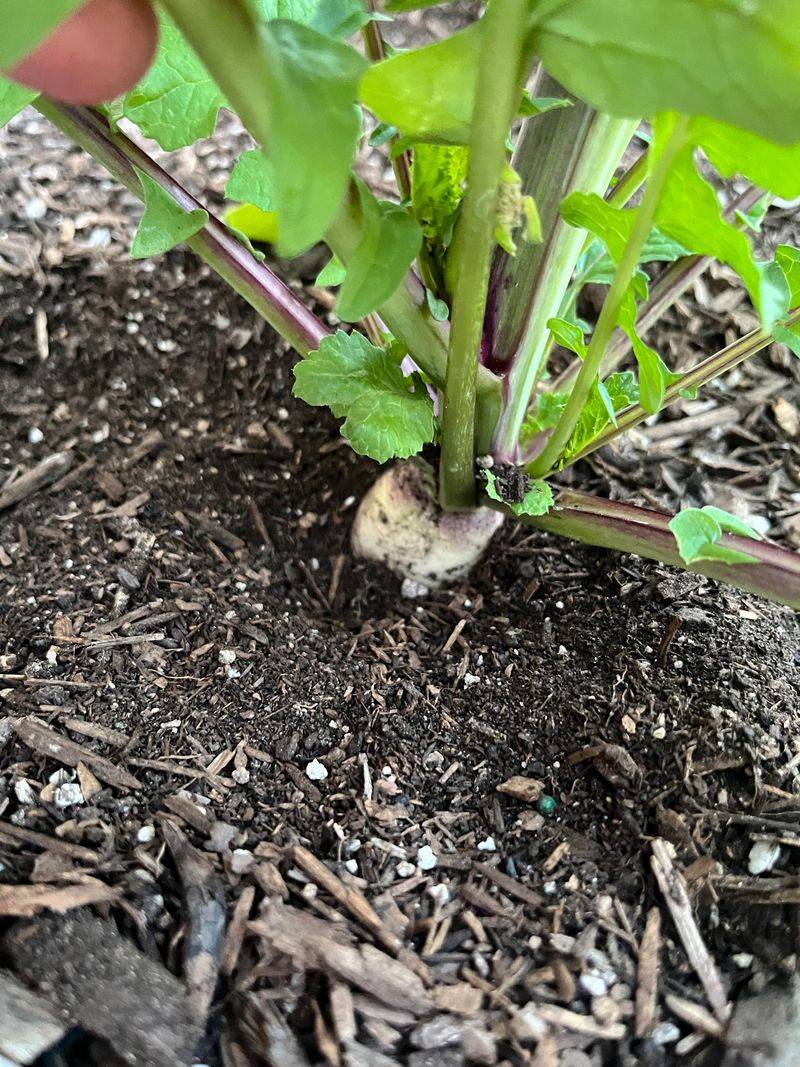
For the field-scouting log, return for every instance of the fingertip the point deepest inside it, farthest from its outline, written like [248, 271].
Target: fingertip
[100, 52]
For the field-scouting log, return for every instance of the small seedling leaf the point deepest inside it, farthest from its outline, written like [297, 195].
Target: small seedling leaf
[386, 414]
[332, 273]
[252, 181]
[390, 241]
[569, 335]
[538, 498]
[177, 101]
[164, 223]
[697, 532]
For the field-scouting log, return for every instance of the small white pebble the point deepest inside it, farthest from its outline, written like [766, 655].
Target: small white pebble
[404, 869]
[351, 866]
[156, 402]
[68, 794]
[440, 893]
[241, 860]
[227, 656]
[241, 775]
[664, 1034]
[316, 771]
[145, 834]
[487, 845]
[35, 436]
[593, 984]
[763, 857]
[411, 590]
[35, 208]
[426, 858]
[743, 960]
[471, 679]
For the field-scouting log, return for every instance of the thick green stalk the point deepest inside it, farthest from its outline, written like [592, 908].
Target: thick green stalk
[496, 95]
[774, 572]
[215, 244]
[719, 363]
[559, 153]
[607, 322]
[224, 35]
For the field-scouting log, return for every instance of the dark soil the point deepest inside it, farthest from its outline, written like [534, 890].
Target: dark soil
[184, 603]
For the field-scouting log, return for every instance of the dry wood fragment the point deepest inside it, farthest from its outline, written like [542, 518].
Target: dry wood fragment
[483, 902]
[25, 901]
[189, 812]
[648, 967]
[168, 767]
[32, 683]
[28, 1025]
[39, 737]
[528, 790]
[673, 887]
[45, 472]
[9, 831]
[270, 880]
[89, 784]
[116, 738]
[354, 901]
[204, 903]
[694, 1014]
[318, 945]
[509, 885]
[343, 1013]
[580, 1024]
[236, 931]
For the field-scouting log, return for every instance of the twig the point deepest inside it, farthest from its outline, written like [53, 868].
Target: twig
[673, 886]
[647, 988]
[45, 472]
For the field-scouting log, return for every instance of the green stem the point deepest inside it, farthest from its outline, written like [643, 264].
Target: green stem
[568, 150]
[607, 322]
[706, 371]
[376, 51]
[496, 96]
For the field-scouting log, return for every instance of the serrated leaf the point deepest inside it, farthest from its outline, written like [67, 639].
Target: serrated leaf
[538, 498]
[255, 224]
[177, 101]
[13, 98]
[620, 391]
[438, 174]
[697, 533]
[386, 414]
[26, 23]
[390, 240]
[311, 92]
[164, 223]
[548, 411]
[428, 90]
[332, 273]
[252, 181]
[568, 335]
[612, 225]
[737, 61]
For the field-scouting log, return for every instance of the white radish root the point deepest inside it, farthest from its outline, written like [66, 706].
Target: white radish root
[399, 523]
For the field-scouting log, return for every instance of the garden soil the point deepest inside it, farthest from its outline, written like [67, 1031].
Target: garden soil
[547, 815]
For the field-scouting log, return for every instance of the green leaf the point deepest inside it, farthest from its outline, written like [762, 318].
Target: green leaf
[13, 98]
[698, 531]
[621, 390]
[540, 105]
[429, 90]
[311, 92]
[789, 336]
[26, 23]
[340, 18]
[568, 335]
[597, 266]
[438, 308]
[788, 259]
[384, 418]
[548, 411]
[176, 102]
[689, 211]
[654, 374]
[164, 223]
[390, 240]
[730, 523]
[438, 174]
[252, 181]
[253, 223]
[733, 151]
[332, 273]
[538, 498]
[612, 225]
[737, 61]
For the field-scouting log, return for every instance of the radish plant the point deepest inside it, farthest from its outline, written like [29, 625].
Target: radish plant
[506, 140]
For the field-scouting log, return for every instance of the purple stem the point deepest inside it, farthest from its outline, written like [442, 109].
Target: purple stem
[214, 243]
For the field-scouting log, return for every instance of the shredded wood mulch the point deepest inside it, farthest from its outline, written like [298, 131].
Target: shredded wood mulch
[256, 808]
